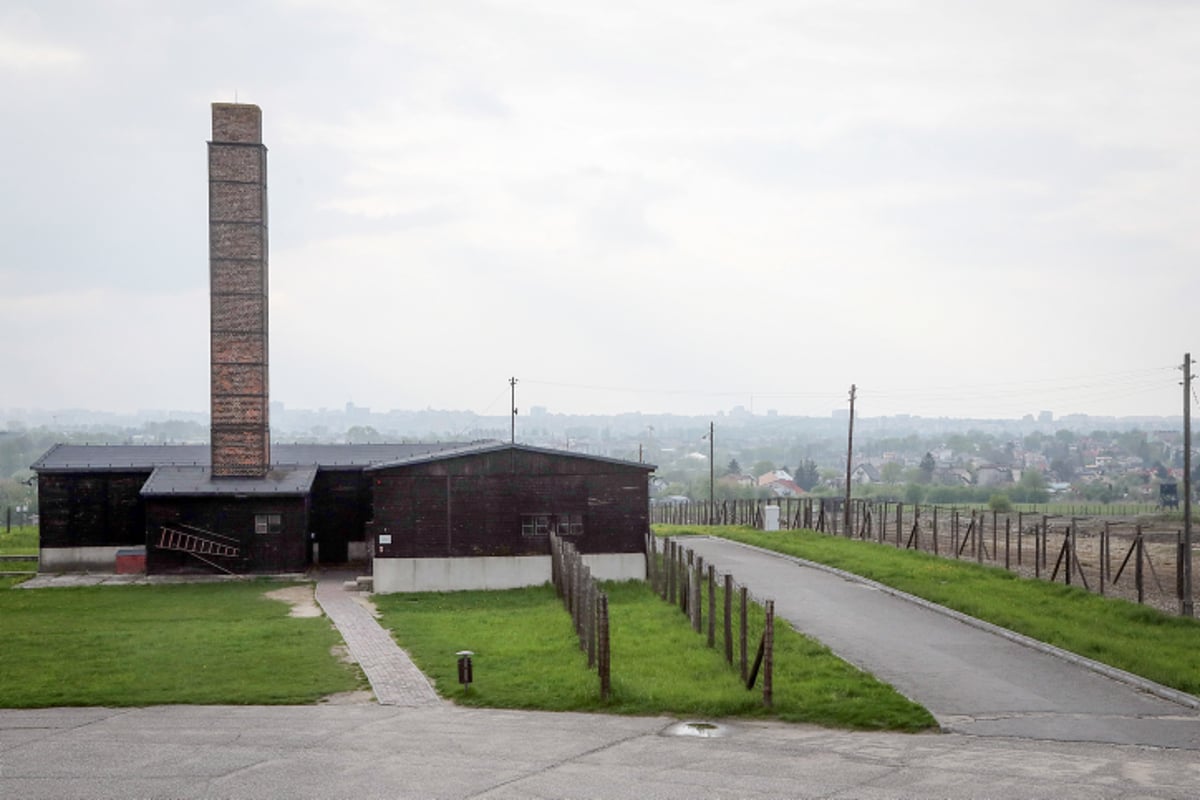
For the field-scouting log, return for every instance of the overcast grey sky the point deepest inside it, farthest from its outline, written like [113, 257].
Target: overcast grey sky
[965, 208]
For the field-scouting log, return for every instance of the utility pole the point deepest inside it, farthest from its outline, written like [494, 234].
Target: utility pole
[711, 485]
[512, 383]
[1185, 602]
[849, 461]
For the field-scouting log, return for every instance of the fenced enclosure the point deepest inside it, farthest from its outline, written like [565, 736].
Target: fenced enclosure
[680, 577]
[587, 605]
[1111, 555]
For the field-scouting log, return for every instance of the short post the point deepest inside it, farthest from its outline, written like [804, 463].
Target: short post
[466, 672]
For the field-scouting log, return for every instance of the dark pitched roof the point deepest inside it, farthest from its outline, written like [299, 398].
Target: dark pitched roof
[146, 457]
[199, 482]
[477, 448]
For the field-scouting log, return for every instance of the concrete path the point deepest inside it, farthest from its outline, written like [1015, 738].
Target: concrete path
[394, 678]
[972, 680]
[369, 751]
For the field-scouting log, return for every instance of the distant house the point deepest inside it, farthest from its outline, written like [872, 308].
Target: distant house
[785, 489]
[992, 475]
[737, 481]
[767, 478]
[865, 474]
[952, 477]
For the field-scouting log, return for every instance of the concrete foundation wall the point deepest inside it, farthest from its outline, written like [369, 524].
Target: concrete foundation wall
[78, 559]
[492, 572]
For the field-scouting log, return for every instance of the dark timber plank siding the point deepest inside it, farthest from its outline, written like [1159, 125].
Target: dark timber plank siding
[474, 505]
[92, 509]
[285, 551]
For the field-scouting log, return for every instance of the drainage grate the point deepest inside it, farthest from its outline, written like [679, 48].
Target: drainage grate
[703, 730]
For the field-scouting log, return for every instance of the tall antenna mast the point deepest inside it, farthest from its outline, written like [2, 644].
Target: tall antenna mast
[1185, 600]
[849, 460]
[512, 382]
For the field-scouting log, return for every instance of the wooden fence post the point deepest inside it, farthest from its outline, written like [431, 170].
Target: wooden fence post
[769, 656]
[605, 654]
[1007, 542]
[1103, 555]
[1020, 534]
[697, 595]
[1137, 570]
[935, 531]
[712, 606]
[742, 633]
[995, 555]
[1045, 539]
[669, 566]
[651, 562]
[591, 612]
[1179, 556]
[728, 618]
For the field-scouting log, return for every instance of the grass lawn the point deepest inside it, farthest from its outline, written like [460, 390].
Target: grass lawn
[144, 645]
[21, 540]
[527, 656]
[1116, 632]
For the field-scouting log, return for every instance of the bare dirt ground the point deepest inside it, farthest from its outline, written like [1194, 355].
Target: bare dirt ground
[304, 604]
[300, 598]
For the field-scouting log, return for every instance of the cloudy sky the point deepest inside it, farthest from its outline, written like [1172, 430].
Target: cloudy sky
[966, 209]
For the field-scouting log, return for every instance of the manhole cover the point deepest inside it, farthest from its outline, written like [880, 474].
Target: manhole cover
[704, 730]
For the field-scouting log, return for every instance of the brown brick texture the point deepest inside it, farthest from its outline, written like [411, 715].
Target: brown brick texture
[237, 214]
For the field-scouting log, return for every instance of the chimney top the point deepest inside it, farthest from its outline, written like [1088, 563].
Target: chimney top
[236, 123]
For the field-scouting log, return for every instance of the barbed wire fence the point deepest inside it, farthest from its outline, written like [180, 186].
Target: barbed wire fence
[680, 577]
[1074, 549]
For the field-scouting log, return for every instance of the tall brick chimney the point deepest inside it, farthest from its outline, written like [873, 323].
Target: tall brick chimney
[237, 229]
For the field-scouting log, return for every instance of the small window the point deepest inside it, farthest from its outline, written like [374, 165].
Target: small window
[268, 523]
[570, 524]
[536, 524]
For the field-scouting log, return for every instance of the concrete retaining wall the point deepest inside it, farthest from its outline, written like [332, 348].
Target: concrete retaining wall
[492, 572]
[78, 559]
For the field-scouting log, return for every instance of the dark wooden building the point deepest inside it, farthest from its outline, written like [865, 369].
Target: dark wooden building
[481, 516]
[98, 499]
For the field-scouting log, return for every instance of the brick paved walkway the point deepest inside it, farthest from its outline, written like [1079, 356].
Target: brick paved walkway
[394, 677]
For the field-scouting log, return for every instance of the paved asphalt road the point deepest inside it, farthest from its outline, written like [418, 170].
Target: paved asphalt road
[972, 680]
